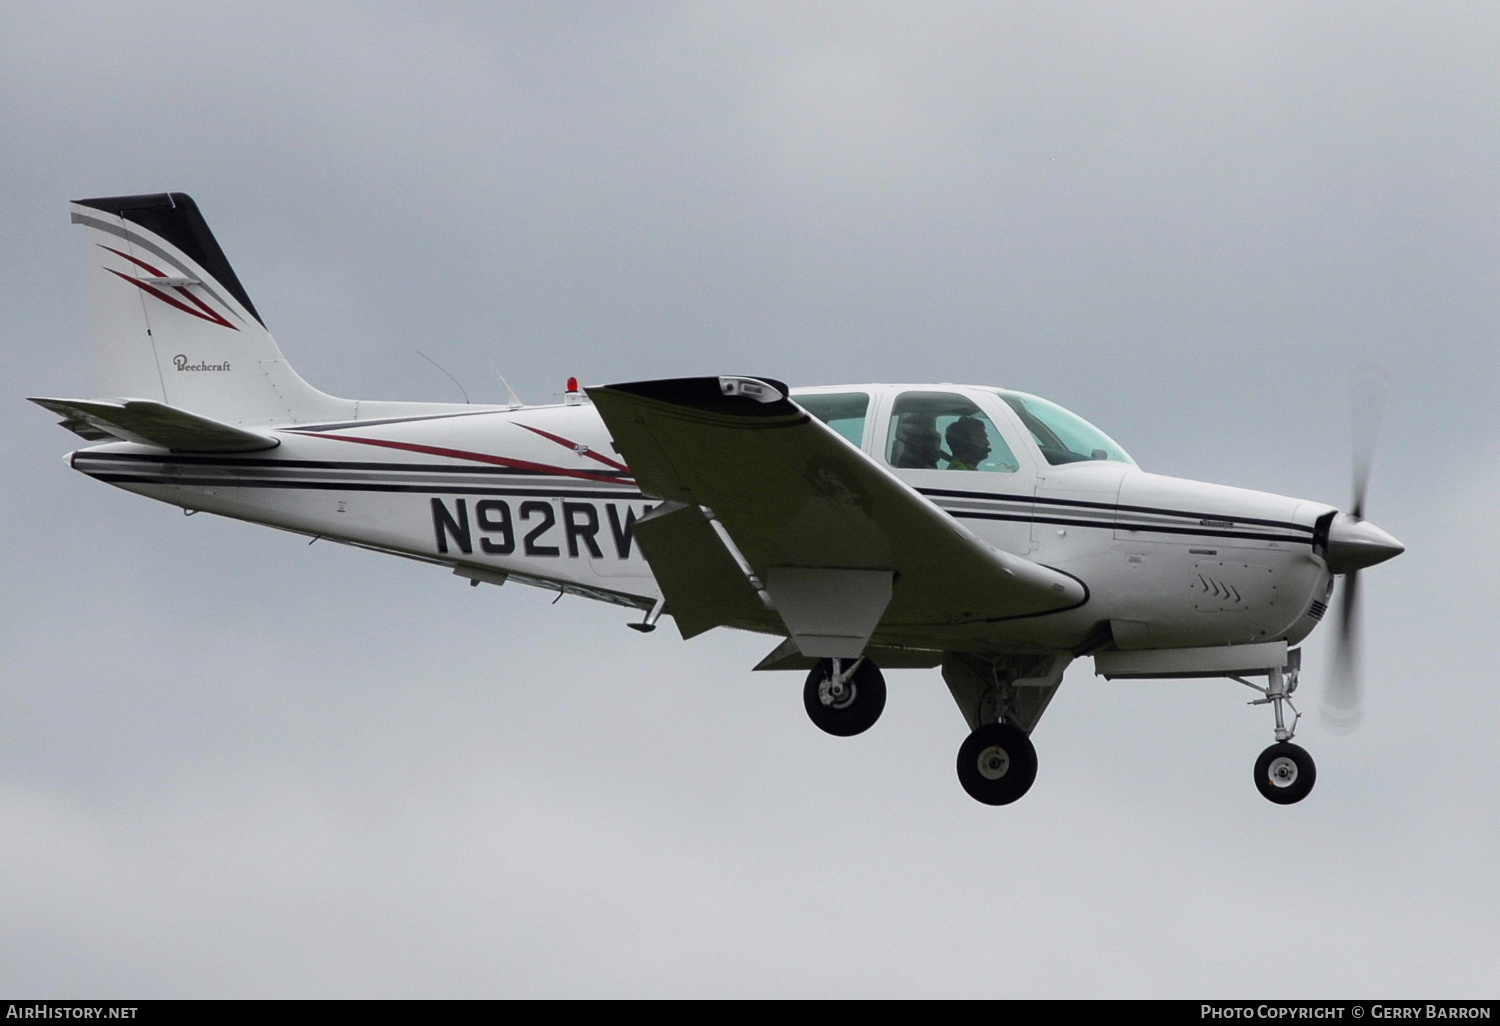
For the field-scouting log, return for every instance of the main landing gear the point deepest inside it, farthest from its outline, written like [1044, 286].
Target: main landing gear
[1002, 696]
[1284, 773]
[844, 697]
[997, 763]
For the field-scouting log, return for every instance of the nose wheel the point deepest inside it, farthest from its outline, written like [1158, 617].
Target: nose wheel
[1285, 773]
[997, 764]
[844, 697]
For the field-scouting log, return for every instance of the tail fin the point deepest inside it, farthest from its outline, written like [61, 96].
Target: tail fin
[173, 324]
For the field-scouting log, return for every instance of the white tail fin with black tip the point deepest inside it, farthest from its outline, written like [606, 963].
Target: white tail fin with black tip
[173, 324]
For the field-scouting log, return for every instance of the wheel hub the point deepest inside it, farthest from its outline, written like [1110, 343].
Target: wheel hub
[836, 694]
[994, 763]
[1282, 772]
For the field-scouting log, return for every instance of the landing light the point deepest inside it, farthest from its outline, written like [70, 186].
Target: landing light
[750, 388]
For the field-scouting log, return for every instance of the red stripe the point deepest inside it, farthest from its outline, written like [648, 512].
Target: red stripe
[476, 457]
[139, 263]
[591, 454]
[200, 304]
[208, 312]
[170, 301]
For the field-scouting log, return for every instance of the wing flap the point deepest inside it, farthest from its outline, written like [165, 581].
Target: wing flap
[787, 656]
[792, 493]
[704, 586]
[830, 612]
[153, 423]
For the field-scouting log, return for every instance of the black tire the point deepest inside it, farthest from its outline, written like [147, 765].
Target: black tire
[853, 713]
[1285, 773]
[997, 764]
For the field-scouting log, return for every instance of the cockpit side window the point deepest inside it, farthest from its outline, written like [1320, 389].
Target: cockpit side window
[945, 431]
[1063, 436]
[842, 411]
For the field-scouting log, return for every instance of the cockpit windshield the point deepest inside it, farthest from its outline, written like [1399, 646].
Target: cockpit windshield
[1063, 436]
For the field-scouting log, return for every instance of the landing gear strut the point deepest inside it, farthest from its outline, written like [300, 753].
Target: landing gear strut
[1284, 773]
[844, 697]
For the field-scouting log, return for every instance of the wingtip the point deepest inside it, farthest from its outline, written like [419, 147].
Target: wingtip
[743, 395]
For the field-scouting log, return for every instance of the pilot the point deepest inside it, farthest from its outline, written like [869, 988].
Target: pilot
[919, 446]
[969, 443]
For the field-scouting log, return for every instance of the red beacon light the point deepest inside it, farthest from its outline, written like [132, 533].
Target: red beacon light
[573, 395]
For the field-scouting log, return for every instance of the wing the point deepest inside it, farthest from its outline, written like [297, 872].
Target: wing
[813, 533]
[152, 423]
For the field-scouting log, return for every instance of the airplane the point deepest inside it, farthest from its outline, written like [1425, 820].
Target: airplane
[983, 531]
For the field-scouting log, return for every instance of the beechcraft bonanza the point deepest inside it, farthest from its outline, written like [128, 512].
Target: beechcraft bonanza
[981, 530]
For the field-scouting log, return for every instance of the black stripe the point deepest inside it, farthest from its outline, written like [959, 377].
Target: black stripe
[357, 486]
[1116, 507]
[286, 464]
[283, 478]
[433, 489]
[1106, 525]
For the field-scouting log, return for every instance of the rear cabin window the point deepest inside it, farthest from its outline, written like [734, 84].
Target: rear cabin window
[945, 431]
[842, 411]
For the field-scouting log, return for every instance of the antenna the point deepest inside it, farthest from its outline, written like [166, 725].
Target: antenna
[513, 401]
[450, 376]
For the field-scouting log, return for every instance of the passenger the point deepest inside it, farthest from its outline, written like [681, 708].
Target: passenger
[918, 444]
[969, 442]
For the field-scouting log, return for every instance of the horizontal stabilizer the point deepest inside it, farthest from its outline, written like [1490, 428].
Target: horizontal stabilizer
[152, 423]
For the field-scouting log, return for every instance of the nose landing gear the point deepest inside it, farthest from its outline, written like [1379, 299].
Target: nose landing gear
[844, 697]
[1284, 773]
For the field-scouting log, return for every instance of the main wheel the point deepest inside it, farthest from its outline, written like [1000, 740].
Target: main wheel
[1285, 773]
[997, 764]
[844, 708]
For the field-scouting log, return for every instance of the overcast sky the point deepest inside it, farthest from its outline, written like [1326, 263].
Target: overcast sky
[231, 764]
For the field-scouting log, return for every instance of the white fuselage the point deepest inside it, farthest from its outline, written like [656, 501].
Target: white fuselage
[539, 495]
